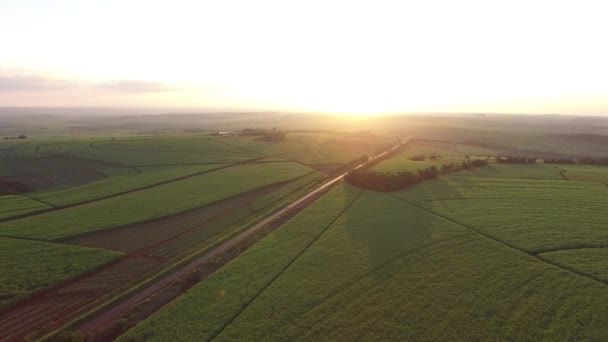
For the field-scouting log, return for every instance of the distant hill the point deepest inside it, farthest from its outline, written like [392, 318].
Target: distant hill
[582, 137]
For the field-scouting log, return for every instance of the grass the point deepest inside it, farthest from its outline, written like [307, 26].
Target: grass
[12, 205]
[151, 203]
[30, 266]
[122, 183]
[382, 269]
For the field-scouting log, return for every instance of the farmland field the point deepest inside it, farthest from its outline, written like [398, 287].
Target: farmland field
[146, 204]
[415, 264]
[148, 229]
[321, 149]
[29, 266]
[126, 180]
[11, 205]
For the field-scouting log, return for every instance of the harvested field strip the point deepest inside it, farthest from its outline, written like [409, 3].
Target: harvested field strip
[357, 282]
[238, 219]
[270, 254]
[114, 175]
[144, 205]
[143, 236]
[55, 307]
[32, 266]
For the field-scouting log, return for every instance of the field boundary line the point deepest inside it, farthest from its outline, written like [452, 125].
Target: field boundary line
[569, 248]
[41, 201]
[489, 198]
[84, 234]
[147, 187]
[219, 215]
[531, 253]
[261, 153]
[278, 275]
[180, 266]
[345, 287]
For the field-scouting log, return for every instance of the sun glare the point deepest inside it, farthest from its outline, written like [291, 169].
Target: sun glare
[338, 56]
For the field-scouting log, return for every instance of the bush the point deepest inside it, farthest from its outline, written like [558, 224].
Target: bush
[418, 158]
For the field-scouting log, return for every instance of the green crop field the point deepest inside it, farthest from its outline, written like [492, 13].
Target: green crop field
[152, 203]
[127, 180]
[29, 266]
[493, 253]
[596, 174]
[589, 261]
[315, 148]
[95, 209]
[11, 205]
[545, 215]
[166, 150]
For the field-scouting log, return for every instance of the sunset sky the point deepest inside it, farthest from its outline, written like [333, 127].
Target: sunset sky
[330, 56]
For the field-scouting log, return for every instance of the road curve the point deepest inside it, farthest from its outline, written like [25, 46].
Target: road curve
[102, 320]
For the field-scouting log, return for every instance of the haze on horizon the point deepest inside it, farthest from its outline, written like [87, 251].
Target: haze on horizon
[329, 56]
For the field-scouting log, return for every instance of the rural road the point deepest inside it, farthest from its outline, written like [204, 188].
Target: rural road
[107, 317]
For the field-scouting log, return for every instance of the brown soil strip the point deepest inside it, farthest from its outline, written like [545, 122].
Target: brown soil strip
[54, 307]
[125, 315]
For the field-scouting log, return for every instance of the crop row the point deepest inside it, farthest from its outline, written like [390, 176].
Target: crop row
[152, 203]
[29, 266]
[35, 317]
[12, 205]
[120, 184]
[383, 269]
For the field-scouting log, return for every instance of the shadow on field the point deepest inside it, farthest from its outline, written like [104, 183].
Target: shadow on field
[437, 190]
[382, 228]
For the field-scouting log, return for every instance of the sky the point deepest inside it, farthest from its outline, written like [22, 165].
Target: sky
[353, 57]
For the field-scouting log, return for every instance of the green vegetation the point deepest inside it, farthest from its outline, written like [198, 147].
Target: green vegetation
[11, 205]
[321, 149]
[29, 266]
[152, 203]
[436, 153]
[585, 173]
[497, 252]
[545, 214]
[590, 261]
[236, 284]
[163, 150]
[128, 181]
[382, 269]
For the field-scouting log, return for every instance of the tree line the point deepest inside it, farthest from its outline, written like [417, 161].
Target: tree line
[273, 135]
[389, 181]
[552, 160]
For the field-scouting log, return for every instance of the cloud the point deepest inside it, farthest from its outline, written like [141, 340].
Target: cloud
[136, 86]
[11, 80]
